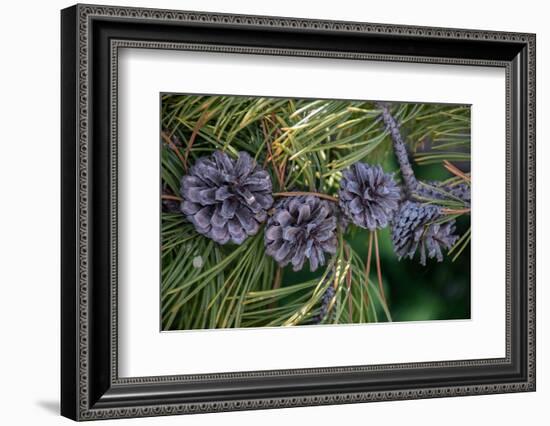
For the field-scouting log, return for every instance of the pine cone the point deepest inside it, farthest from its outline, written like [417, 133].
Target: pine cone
[368, 196]
[413, 226]
[226, 199]
[436, 236]
[301, 227]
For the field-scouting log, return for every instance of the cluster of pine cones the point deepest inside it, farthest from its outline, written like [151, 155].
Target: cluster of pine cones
[228, 199]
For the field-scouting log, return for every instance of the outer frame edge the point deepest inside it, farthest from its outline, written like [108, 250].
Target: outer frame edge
[69, 285]
[87, 414]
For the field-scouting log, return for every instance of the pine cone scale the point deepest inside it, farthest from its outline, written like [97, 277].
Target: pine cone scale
[228, 208]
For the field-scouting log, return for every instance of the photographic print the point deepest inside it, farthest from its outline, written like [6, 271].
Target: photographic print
[304, 212]
[317, 198]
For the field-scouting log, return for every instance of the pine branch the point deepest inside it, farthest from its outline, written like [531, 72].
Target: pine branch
[304, 145]
[399, 149]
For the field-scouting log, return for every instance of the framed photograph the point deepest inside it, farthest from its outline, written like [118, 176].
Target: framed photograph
[263, 212]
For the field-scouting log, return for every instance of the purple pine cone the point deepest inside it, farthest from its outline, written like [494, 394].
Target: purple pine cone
[301, 227]
[226, 199]
[413, 227]
[368, 196]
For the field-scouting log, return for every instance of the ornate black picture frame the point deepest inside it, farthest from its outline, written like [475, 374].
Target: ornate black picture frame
[91, 36]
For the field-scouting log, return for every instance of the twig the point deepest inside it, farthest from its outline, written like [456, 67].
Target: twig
[282, 170]
[268, 145]
[171, 197]
[296, 193]
[367, 268]
[348, 283]
[276, 283]
[455, 170]
[200, 122]
[455, 211]
[167, 139]
[270, 156]
[277, 279]
[379, 268]
[282, 166]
